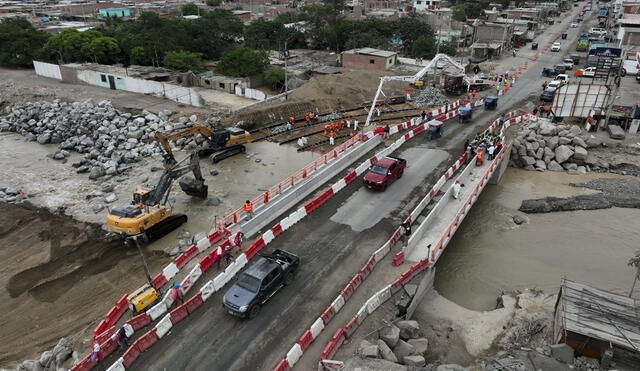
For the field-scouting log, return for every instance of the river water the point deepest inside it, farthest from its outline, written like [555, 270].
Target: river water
[490, 253]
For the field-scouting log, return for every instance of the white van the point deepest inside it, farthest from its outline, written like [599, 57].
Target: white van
[598, 31]
[631, 63]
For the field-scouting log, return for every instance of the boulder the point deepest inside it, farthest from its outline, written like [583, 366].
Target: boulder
[409, 329]
[579, 153]
[552, 143]
[554, 166]
[570, 166]
[96, 172]
[97, 208]
[615, 132]
[111, 198]
[577, 141]
[563, 153]
[403, 349]
[575, 130]
[390, 335]
[539, 153]
[547, 129]
[540, 165]
[419, 345]
[47, 359]
[366, 349]
[562, 353]
[417, 361]
[30, 365]
[528, 160]
[564, 140]
[386, 352]
[581, 170]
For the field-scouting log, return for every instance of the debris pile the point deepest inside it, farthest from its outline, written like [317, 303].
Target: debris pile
[401, 342]
[57, 358]
[109, 139]
[430, 97]
[543, 145]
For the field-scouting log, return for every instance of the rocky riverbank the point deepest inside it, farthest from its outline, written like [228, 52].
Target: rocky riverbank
[109, 140]
[613, 192]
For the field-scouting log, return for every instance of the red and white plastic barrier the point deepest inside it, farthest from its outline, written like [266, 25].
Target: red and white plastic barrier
[179, 313]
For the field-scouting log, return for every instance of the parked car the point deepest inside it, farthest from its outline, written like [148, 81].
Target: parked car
[574, 25]
[638, 77]
[384, 172]
[598, 31]
[568, 63]
[575, 58]
[563, 78]
[260, 282]
[548, 71]
[555, 47]
[559, 69]
[547, 96]
[585, 72]
[553, 86]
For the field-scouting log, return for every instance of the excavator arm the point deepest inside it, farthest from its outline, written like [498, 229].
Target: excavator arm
[192, 187]
[164, 138]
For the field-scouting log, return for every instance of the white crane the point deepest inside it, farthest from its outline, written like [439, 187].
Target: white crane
[413, 79]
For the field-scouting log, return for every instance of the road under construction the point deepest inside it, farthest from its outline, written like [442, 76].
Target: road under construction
[332, 244]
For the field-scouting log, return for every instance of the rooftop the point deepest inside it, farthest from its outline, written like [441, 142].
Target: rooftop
[600, 314]
[371, 51]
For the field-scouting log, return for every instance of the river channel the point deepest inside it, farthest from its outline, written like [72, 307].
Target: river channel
[490, 253]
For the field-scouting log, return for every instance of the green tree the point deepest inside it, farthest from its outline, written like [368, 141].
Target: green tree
[274, 76]
[243, 62]
[190, 9]
[424, 47]
[71, 45]
[20, 43]
[409, 29]
[213, 2]
[182, 61]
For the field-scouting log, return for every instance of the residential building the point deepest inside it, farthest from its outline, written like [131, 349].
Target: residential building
[115, 12]
[490, 40]
[368, 59]
[421, 5]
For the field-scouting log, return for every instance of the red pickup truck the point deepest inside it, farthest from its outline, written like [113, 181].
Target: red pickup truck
[384, 172]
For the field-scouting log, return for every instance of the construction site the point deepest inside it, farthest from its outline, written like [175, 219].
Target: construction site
[134, 225]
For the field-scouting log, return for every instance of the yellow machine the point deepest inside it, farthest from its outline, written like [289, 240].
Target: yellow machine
[148, 217]
[221, 143]
[142, 298]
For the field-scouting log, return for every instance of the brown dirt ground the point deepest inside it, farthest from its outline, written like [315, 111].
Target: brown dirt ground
[53, 269]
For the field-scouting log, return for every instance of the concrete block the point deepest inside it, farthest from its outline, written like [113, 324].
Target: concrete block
[366, 349]
[386, 352]
[420, 345]
[409, 329]
[403, 349]
[390, 335]
[414, 361]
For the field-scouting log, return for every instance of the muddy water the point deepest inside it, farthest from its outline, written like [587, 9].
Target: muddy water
[490, 253]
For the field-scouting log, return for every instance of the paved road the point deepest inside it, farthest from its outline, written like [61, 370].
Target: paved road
[331, 252]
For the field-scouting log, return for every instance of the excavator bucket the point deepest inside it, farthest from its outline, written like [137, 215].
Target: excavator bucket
[194, 187]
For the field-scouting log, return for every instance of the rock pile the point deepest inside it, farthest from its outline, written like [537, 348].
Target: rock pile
[109, 139]
[430, 97]
[543, 145]
[399, 343]
[59, 358]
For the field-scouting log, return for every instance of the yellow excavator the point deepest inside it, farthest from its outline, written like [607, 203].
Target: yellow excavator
[221, 143]
[148, 216]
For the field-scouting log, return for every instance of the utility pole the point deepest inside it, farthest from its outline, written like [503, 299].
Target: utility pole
[286, 86]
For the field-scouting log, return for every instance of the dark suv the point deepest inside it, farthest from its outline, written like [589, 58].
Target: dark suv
[260, 282]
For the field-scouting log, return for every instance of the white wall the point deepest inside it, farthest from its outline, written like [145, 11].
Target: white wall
[47, 70]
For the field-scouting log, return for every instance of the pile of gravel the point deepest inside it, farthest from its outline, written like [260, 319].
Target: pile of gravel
[430, 97]
[109, 139]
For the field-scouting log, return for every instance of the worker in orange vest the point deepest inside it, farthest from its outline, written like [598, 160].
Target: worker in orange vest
[474, 92]
[479, 156]
[248, 208]
[307, 117]
[292, 120]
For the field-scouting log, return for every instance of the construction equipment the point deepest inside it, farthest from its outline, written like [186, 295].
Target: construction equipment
[456, 84]
[148, 217]
[221, 143]
[415, 78]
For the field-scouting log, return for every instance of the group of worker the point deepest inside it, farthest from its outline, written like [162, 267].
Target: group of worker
[543, 110]
[291, 121]
[482, 144]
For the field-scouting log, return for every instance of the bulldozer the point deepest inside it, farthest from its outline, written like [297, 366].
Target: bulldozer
[148, 217]
[221, 143]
